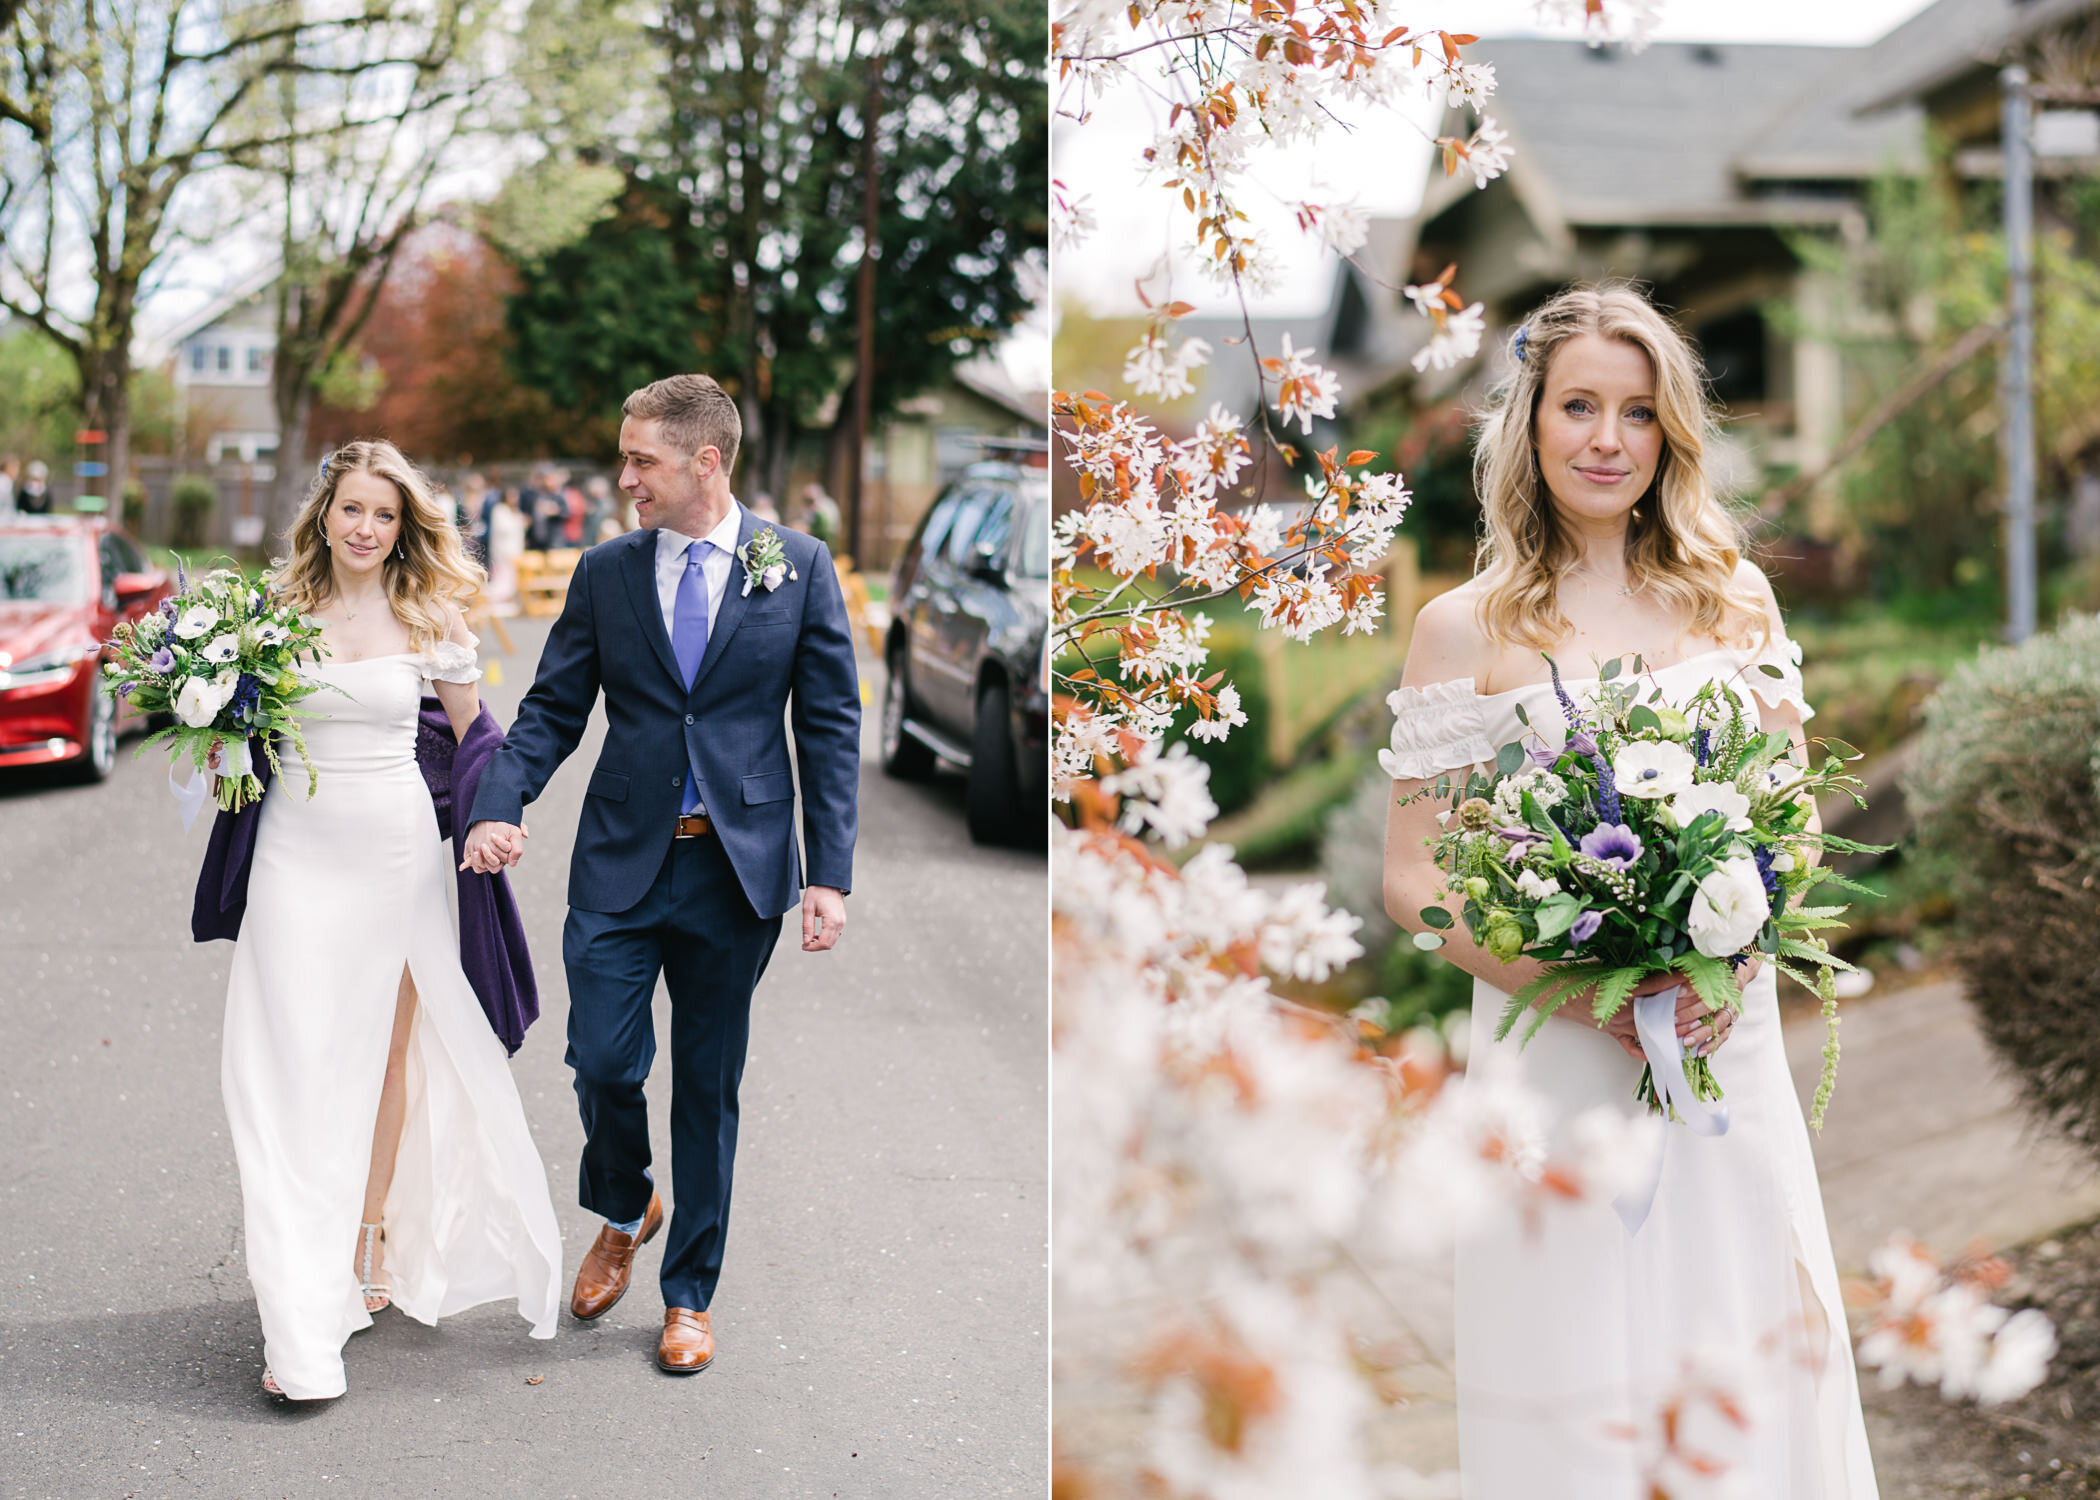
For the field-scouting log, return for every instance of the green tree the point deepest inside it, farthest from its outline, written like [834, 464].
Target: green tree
[744, 208]
[109, 112]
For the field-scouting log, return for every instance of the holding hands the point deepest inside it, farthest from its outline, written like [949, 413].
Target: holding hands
[494, 846]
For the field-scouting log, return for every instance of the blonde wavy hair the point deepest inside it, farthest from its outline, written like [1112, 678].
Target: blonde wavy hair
[427, 567]
[1682, 545]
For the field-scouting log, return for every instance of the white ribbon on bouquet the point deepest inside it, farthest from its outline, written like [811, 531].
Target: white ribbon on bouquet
[1655, 1021]
[234, 760]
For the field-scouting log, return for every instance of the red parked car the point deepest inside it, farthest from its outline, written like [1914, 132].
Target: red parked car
[65, 582]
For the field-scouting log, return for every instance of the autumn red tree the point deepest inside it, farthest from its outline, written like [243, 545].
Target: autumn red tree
[439, 349]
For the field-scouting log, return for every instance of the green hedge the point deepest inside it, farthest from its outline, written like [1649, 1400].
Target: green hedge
[2005, 786]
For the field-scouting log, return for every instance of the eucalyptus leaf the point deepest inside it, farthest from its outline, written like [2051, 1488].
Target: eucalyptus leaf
[1609, 670]
[1523, 717]
[1437, 917]
[1509, 758]
[1643, 718]
[1428, 942]
[1769, 670]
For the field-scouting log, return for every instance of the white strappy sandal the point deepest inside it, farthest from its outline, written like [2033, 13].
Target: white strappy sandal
[367, 1238]
[270, 1385]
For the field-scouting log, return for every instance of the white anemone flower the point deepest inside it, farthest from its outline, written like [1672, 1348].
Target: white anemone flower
[1655, 769]
[221, 649]
[197, 620]
[1710, 796]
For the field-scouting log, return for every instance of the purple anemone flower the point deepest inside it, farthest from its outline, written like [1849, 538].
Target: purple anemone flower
[1543, 756]
[1585, 927]
[162, 661]
[1612, 844]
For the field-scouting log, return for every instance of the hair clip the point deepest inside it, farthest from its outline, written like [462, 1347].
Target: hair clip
[1523, 336]
[324, 465]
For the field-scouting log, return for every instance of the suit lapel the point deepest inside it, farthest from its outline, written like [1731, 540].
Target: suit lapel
[639, 566]
[734, 601]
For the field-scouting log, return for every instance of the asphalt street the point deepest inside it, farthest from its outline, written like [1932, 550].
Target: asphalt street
[882, 1316]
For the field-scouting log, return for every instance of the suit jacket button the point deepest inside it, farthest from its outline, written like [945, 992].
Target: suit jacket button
[677, 780]
[689, 718]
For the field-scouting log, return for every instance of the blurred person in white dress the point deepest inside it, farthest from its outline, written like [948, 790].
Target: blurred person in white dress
[382, 1146]
[1604, 538]
[507, 527]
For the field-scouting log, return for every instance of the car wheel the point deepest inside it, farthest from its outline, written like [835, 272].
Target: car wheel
[903, 757]
[992, 802]
[99, 757]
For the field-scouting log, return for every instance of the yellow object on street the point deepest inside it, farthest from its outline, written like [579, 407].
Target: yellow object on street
[492, 674]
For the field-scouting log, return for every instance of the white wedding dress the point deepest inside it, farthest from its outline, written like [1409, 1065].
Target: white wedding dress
[344, 890]
[1571, 1334]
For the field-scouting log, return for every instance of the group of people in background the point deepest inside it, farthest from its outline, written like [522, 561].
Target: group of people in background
[24, 491]
[549, 510]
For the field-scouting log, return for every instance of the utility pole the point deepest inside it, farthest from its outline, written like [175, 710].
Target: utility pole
[864, 370]
[2017, 384]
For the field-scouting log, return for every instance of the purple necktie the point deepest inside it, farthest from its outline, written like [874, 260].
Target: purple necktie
[689, 641]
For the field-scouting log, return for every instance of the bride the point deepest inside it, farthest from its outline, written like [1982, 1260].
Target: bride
[1603, 539]
[383, 1150]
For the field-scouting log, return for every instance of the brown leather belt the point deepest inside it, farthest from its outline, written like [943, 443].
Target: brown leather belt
[693, 826]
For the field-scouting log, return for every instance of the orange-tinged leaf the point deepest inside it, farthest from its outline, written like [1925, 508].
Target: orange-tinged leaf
[1361, 456]
[1462, 38]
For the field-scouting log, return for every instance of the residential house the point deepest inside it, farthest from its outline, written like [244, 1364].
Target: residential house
[222, 358]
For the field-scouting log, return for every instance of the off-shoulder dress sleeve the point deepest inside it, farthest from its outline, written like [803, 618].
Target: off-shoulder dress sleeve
[449, 661]
[1436, 728]
[1781, 687]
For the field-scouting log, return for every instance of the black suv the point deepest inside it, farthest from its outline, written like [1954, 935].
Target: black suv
[969, 616]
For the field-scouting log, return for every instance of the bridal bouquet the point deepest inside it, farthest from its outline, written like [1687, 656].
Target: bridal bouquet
[1658, 837]
[222, 658]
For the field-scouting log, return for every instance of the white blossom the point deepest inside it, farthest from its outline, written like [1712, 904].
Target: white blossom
[1151, 370]
[1488, 153]
[1630, 23]
[1225, 717]
[1457, 339]
[1306, 390]
[1169, 793]
[1709, 796]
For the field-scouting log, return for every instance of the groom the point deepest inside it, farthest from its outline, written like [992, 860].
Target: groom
[704, 630]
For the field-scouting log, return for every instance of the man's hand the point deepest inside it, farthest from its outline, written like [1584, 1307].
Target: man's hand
[494, 846]
[823, 919]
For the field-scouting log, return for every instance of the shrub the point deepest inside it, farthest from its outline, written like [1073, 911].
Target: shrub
[1417, 986]
[1239, 764]
[2005, 783]
[192, 496]
[134, 506]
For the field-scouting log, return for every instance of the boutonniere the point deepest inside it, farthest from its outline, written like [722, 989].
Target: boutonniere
[765, 560]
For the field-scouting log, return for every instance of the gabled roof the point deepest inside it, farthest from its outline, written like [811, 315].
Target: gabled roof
[1670, 135]
[240, 293]
[1946, 40]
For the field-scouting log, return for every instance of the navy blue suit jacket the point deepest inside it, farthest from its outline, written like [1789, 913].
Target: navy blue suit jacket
[767, 652]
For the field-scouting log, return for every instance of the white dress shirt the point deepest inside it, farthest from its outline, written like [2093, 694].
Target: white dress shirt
[670, 567]
[714, 570]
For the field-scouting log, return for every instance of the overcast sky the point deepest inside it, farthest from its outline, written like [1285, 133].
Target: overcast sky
[1379, 162]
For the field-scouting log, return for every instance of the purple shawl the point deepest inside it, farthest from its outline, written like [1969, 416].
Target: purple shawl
[492, 948]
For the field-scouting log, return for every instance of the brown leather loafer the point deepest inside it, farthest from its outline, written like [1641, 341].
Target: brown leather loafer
[602, 1278]
[688, 1344]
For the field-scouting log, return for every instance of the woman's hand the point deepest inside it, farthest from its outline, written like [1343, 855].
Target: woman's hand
[1699, 1031]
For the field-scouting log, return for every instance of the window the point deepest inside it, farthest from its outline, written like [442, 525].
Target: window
[258, 361]
[198, 353]
[128, 558]
[225, 359]
[969, 513]
[997, 524]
